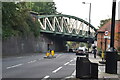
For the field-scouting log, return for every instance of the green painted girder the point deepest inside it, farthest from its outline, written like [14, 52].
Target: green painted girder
[68, 36]
[45, 31]
[69, 16]
[65, 34]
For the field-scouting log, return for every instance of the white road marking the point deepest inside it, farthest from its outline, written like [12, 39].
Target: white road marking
[99, 69]
[57, 70]
[19, 57]
[66, 63]
[73, 75]
[32, 61]
[14, 66]
[71, 60]
[46, 77]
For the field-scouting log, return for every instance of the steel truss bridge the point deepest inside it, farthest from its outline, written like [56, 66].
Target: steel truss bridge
[66, 26]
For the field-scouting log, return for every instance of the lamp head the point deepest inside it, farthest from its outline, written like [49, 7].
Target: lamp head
[83, 2]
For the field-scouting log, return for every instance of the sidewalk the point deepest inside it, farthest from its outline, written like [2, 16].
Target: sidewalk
[101, 70]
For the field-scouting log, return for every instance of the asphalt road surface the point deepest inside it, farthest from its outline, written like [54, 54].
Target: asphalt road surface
[36, 66]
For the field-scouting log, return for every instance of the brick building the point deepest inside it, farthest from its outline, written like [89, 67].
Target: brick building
[104, 43]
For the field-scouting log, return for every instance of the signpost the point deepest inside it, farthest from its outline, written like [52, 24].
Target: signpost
[106, 33]
[106, 36]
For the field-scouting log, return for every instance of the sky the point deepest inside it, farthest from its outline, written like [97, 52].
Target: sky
[100, 9]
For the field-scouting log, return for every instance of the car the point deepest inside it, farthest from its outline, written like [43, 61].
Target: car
[80, 52]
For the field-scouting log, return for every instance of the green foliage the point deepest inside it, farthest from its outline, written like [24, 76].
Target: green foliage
[88, 45]
[73, 44]
[14, 19]
[8, 32]
[82, 44]
[34, 26]
[102, 22]
[43, 8]
[17, 19]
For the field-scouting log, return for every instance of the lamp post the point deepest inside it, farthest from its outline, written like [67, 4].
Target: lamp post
[111, 54]
[89, 25]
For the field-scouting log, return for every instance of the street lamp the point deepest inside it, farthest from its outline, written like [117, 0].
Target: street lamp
[89, 24]
[111, 53]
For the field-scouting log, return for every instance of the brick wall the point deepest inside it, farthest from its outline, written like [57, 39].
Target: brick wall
[100, 36]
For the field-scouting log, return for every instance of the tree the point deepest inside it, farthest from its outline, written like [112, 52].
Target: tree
[17, 19]
[9, 20]
[43, 8]
[102, 22]
[14, 16]
[72, 44]
[82, 44]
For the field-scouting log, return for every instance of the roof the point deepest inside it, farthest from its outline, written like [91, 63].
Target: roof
[107, 27]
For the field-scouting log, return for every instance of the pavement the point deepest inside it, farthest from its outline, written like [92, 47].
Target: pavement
[101, 70]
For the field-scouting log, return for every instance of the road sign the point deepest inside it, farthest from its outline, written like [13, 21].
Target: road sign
[105, 36]
[106, 33]
[108, 37]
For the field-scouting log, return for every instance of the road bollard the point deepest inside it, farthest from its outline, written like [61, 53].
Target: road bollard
[47, 54]
[52, 53]
[103, 55]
